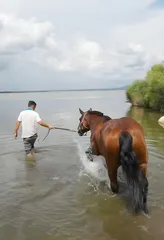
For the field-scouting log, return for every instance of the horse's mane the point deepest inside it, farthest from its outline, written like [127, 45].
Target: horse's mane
[98, 113]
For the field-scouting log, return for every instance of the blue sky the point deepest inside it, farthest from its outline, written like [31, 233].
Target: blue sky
[65, 44]
[158, 4]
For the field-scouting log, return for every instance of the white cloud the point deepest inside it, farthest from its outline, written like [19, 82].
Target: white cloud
[131, 42]
[17, 35]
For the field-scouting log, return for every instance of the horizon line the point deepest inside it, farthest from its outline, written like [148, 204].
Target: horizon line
[60, 90]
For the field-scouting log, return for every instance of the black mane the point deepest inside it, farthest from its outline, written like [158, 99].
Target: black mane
[98, 113]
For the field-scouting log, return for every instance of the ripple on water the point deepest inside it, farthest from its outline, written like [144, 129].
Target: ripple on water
[55, 197]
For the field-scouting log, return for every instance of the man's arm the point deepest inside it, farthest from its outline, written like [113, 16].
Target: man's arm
[16, 129]
[19, 120]
[41, 123]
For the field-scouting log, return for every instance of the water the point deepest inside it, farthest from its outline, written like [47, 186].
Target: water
[61, 195]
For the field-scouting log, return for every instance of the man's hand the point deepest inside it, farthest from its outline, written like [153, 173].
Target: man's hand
[16, 135]
[45, 125]
[16, 129]
[50, 127]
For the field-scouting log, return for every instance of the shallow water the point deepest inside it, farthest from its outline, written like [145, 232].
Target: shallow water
[59, 196]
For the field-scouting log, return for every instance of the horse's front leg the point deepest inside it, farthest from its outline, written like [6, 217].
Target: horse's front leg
[92, 150]
[89, 150]
[112, 167]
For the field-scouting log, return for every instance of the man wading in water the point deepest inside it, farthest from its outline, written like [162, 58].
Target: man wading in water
[29, 119]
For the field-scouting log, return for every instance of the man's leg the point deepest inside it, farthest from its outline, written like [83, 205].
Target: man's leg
[29, 144]
[33, 140]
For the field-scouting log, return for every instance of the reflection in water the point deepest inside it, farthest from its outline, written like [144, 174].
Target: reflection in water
[154, 133]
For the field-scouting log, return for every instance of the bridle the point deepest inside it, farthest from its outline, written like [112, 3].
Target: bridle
[82, 128]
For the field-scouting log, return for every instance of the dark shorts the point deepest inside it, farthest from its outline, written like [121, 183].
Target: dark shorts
[29, 143]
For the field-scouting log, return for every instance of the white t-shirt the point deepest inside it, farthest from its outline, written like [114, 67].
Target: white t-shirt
[29, 120]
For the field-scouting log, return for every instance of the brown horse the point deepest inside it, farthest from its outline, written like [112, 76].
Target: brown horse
[121, 142]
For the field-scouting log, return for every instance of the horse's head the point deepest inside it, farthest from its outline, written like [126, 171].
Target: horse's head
[83, 126]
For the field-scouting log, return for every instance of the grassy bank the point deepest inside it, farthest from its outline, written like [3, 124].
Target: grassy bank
[148, 93]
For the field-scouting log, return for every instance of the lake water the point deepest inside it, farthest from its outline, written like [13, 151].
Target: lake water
[59, 196]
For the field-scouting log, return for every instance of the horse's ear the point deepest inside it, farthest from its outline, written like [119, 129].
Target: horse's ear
[81, 111]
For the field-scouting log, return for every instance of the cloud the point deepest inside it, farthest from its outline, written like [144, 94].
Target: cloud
[101, 42]
[17, 35]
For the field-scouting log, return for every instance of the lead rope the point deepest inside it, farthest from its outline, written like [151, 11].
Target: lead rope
[65, 129]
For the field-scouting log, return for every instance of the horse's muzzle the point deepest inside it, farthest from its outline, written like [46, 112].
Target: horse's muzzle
[80, 132]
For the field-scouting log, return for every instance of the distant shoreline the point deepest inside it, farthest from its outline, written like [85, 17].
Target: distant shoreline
[65, 90]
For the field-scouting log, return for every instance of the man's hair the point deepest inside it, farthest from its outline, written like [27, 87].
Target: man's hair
[31, 103]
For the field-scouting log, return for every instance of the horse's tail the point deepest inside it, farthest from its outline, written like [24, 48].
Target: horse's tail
[132, 171]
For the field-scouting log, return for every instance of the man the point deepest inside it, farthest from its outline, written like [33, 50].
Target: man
[29, 119]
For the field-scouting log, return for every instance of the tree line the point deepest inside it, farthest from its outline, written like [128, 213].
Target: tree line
[149, 92]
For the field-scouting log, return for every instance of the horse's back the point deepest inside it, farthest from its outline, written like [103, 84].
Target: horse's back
[111, 135]
[122, 124]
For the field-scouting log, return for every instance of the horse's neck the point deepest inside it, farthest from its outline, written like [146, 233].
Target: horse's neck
[96, 124]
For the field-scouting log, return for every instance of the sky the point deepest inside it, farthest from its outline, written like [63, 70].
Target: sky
[70, 44]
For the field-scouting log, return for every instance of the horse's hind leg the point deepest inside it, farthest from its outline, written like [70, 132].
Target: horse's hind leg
[112, 167]
[145, 185]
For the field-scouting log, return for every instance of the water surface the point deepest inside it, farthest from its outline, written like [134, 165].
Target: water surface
[54, 198]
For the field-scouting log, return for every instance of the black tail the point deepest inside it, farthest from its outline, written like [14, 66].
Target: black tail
[135, 179]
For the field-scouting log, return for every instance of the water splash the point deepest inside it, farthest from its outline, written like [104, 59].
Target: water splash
[97, 168]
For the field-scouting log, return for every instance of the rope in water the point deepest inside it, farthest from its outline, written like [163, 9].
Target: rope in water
[60, 128]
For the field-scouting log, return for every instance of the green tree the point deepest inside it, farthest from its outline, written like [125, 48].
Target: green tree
[149, 92]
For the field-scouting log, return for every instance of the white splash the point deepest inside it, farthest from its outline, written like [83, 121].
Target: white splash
[97, 168]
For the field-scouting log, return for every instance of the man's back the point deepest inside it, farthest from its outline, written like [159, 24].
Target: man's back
[29, 119]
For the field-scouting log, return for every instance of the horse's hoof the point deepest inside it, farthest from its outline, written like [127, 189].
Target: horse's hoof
[89, 156]
[88, 152]
[145, 210]
[114, 187]
[114, 195]
[90, 159]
